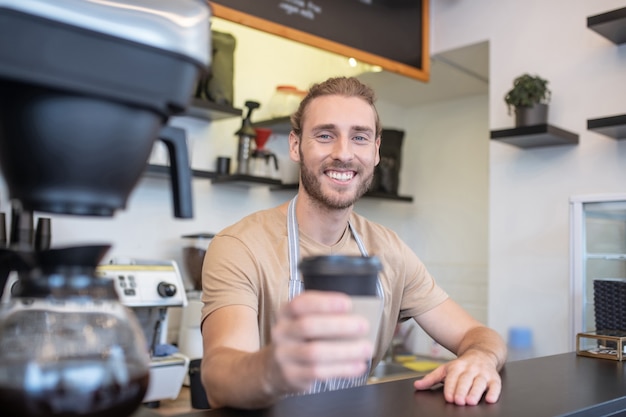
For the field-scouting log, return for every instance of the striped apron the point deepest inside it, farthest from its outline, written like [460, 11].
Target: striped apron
[296, 286]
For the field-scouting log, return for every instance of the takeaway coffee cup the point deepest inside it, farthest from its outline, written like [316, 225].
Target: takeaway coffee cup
[356, 276]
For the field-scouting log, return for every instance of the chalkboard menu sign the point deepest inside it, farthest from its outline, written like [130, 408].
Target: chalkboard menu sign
[390, 33]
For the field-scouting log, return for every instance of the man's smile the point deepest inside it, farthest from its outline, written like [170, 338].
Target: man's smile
[340, 175]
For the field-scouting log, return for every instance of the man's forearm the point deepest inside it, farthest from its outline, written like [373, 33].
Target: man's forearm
[240, 379]
[487, 341]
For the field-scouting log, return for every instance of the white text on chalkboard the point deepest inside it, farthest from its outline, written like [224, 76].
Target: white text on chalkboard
[306, 9]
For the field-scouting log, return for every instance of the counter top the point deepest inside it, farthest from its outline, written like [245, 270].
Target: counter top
[558, 385]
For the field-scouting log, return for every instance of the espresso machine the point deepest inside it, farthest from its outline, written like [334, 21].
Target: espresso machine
[150, 289]
[86, 87]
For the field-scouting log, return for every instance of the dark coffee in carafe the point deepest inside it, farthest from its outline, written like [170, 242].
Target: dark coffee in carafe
[96, 399]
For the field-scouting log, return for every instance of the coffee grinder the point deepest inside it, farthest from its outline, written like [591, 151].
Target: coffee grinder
[151, 289]
[86, 87]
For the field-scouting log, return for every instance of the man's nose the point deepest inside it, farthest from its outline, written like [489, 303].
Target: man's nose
[343, 149]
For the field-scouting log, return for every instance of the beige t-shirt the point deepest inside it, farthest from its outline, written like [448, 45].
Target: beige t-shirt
[248, 264]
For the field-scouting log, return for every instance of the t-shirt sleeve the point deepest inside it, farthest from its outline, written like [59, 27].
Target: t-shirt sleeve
[421, 292]
[226, 277]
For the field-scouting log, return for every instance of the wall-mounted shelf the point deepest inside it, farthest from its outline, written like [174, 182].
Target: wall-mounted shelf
[535, 136]
[243, 179]
[208, 110]
[611, 25]
[614, 126]
[387, 196]
[164, 171]
[382, 196]
[279, 125]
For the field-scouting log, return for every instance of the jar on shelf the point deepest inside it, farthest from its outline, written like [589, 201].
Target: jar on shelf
[285, 101]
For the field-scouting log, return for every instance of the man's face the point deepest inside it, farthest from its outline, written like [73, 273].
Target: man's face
[338, 150]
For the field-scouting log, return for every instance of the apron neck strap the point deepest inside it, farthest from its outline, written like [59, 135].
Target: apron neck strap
[293, 241]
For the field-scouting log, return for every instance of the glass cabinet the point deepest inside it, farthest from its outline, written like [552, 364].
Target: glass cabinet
[597, 252]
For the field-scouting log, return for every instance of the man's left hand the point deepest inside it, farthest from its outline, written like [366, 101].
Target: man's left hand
[465, 379]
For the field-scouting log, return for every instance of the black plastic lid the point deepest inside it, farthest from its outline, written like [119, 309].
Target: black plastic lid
[354, 275]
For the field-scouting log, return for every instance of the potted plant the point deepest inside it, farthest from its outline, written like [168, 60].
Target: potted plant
[529, 97]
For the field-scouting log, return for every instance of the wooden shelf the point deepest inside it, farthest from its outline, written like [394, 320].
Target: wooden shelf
[614, 126]
[611, 25]
[535, 136]
[382, 196]
[208, 110]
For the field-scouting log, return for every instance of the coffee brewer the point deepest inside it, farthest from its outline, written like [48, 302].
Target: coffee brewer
[263, 162]
[85, 89]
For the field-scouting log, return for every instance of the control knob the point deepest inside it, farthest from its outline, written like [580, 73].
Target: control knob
[165, 289]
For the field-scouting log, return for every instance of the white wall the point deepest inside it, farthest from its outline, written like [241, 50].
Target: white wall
[445, 167]
[530, 189]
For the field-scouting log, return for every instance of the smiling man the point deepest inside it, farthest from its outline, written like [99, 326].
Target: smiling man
[266, 338]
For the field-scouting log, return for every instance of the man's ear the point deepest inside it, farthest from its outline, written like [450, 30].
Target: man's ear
[294, 147]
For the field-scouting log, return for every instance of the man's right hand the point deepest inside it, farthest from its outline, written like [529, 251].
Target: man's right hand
[317, 337]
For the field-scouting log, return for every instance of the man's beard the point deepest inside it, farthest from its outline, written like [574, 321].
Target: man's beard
[313, 187]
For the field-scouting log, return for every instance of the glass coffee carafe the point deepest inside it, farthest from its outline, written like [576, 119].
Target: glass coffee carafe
[67, 345]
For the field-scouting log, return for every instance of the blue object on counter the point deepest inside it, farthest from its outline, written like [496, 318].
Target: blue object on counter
[520, 343]
[164, 350]
[520, 338]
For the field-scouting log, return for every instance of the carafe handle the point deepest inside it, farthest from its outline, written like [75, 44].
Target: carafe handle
[180, 171]
[273, 156]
